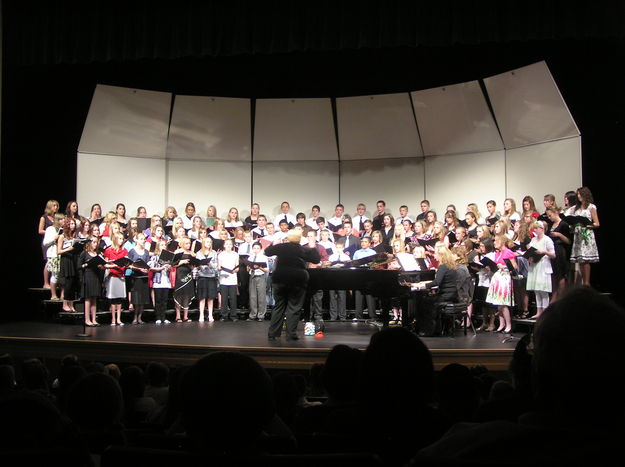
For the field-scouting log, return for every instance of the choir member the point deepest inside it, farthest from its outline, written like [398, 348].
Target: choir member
[228, 263]
[207, 279]
[570, 200]
[366, 251]
[281, 234]
[584, 251]
[312, 220]
[184, 288]
[397, 246]
[95, 214]
[368, 228]
[338, 298]
[218, 226]
[189, 213]
[403, 214]
[484, 275]
[321, 226]
[300, 219]
[45, 221]
[560, 233]
[540, 270]
[493, 215]
[49, 243]
[197, 224]
[509, 211]
[92, 280]
[85, 228]
[425, 207]
[350, 241]
[71, 212]
[500, 289]
[359, 218]
[169, 216]
[388, 228]
[251, 221]
[261, 229]
[160, 283]
[68, 274]
[142, 213]
[115, 283]
[439, 232]
[211, 217]
[472, 207]
[430, 218]
[529, 205]
[549, 201]
[155, 221]
[325, 242]
[379, 218]
[120, 215]
[258, 271]
[232, 219]
[337, 220]
[284, 214]
[471, 224]
[140, 289]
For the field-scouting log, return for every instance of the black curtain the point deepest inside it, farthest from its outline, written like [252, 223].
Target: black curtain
[68, 31]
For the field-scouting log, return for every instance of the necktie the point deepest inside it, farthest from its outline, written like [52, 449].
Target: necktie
[262, 232]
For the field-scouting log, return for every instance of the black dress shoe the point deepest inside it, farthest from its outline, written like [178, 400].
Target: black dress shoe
[272, 338]
[294, 337]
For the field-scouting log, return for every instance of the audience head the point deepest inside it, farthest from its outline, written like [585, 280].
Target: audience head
[244, 395]
[579, 359]
[340, 373]
[397, 362]
[157, 374]
[95, 402]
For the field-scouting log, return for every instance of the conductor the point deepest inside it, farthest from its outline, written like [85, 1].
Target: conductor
[289, 279]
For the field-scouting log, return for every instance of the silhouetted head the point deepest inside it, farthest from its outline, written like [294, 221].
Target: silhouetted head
[226, 392]
[95, 402]
[579, 359]
[340, 373]
[397, 362]
[157, 374]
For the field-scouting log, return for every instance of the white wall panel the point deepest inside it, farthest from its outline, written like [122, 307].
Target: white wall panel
[108, 180]
[127, 122]
[302, 184]
[210, 128]
[528, 106]
[222, 184]
[396, 181]
[553, 167]
[374, 127]
[465, 178]
[455, 119]
[294, 129]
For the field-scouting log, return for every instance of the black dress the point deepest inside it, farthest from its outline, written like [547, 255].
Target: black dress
[140, 288]
[68, 272]
[92, 277]
[560, 264]
[184, 290]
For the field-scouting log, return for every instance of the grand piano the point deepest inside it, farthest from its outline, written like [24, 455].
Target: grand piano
[363, 275]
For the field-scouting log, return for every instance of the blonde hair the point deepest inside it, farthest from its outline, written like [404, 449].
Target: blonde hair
[504, 240]
[117, 241]
[446, 257]
[48, 210]
[397, 241]
[460, 252]
[512, 207]
[418, 252]
[294, 236]
[472, 207]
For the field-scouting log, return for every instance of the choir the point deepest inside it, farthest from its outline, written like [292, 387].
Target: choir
[144, 259]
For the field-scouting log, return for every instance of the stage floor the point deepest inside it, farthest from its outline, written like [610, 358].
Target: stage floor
[183, 343]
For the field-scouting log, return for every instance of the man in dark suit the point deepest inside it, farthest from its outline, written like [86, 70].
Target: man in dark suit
[352, 243]
[379, 218]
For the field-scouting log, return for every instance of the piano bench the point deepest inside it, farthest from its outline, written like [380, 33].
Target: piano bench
[453, 311]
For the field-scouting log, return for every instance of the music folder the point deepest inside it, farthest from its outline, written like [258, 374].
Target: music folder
[97, 260]
[531, 254]
[140, 264]
[166, 257]
[122, 262]
[143, 223]
[484, 262]
[577, 220]
[255, 264]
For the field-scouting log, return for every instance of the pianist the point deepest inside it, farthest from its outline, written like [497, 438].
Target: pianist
[289, 282]
[428, 318]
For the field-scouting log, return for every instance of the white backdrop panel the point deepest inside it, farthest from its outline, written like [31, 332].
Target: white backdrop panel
[127, 122]
[455, 119]
[136, 182]
[528, 106]
[553, 167]
[302, 184]
[294, 129]
[222, 184]
[374, 127]
[210, 128]
[465, 178]
[396, 181]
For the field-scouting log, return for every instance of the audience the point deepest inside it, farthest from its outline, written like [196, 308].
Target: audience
[562, 405]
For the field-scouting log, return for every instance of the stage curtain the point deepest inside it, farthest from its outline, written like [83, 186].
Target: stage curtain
[68, 31]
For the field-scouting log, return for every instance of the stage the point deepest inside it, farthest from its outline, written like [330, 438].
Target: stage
[183, 343]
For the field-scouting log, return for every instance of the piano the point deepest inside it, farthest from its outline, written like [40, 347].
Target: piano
[358, 275]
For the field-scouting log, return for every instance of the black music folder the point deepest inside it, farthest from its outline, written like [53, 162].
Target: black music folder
[122, 262]
[425, 243]
[97, 260]
[485, 261]
[140, 264]
[531, 254]
[577, 220]
[143, 223]
[255, 264]
[167, 257]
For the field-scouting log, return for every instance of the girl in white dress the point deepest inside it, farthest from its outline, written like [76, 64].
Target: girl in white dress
[539, 275]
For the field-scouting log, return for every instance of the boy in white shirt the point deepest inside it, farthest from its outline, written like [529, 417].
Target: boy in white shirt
[312, 220]
[258, 283]
[338, 297]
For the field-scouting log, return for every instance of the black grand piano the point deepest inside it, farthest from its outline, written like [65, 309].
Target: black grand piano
[362, 275]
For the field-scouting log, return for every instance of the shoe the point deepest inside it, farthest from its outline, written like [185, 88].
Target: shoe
[113, 324]
[234, 319]
[120, 324]
[178, 320]
[187, 320]
[90, 325]
[507, 331]
[201, 320]
[140, 322]
[158, 321]
[211, 319]
[260, 319]
[166, 322]
[222, 319]
[135, 322]
[355, 320]
[250, 319]
[272, 338]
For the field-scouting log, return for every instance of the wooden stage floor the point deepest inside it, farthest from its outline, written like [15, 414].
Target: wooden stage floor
[183, 343]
